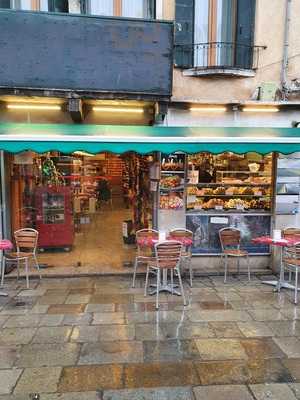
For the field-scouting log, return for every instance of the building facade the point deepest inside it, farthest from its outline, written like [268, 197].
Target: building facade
[224, 64]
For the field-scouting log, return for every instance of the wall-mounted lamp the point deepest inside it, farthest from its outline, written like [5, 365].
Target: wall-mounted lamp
[260, 109]
[119, 109]
[33, 107]
[208, 109]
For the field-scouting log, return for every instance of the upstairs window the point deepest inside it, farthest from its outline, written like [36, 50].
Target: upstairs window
[214, 33]
[36, 5]
[122, 8]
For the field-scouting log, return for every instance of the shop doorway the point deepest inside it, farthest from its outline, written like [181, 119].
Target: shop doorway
[85, 207]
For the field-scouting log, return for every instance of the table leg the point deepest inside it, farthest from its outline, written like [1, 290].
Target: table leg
[2, 266]
[165, 287]
[283, 284]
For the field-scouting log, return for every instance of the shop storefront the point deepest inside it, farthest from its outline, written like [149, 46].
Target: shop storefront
[78, 184]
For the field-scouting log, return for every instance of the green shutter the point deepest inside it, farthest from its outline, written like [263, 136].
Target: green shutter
[245, 33]
[184, 33]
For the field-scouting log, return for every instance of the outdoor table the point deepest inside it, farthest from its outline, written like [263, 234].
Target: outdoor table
[281, 243]
[4, 245]
[151, 242]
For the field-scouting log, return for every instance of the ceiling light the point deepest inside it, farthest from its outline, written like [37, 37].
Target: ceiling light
[261, 109]
[119, 109]
[209, 109]
[83, 154]
[33, 107]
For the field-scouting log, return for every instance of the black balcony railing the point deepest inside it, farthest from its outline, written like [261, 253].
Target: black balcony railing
[217, 55]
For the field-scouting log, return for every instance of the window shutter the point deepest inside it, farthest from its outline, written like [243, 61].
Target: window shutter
[4, 3]
[184, 33]
[245, 33]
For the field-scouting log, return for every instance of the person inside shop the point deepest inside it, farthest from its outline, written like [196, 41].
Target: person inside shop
[204, 174]
[103, 191]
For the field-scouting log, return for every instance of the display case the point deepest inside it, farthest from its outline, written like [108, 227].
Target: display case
[54, 219]
[234, 191]
[229, 191]
[172, 191]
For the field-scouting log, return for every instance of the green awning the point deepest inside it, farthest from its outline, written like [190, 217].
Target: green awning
[145, 139]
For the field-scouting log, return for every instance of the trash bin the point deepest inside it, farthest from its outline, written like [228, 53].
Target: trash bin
[128, 232]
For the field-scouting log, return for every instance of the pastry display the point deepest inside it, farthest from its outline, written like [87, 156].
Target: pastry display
[169, 182]
[167, 202]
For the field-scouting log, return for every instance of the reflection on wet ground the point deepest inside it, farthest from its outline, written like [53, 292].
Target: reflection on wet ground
[97, 338]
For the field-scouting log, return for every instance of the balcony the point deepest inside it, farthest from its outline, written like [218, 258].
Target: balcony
[98, 57]
[218, 58]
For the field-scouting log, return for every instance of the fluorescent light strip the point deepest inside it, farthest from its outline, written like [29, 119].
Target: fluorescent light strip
[260, 109]
[209, 109]
[33, 107]
[119, 109]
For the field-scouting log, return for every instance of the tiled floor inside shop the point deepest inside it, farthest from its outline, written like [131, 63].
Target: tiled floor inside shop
[97, 338]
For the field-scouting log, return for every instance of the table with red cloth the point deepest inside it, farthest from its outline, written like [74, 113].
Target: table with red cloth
[289, 241]
[4, 245]
[151, 242]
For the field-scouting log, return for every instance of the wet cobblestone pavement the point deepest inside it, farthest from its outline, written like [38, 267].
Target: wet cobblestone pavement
[97, 338]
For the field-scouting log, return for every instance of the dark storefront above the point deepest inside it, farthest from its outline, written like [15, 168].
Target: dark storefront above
[116, 56]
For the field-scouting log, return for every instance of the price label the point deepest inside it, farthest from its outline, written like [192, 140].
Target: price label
[219, 208]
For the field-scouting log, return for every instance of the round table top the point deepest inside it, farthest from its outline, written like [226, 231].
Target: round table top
[5, 244]
[150, 241]
[290, 241]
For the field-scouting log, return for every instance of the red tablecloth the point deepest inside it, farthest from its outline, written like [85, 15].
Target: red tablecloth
[149, 241]
[5, 244]
[290, 241]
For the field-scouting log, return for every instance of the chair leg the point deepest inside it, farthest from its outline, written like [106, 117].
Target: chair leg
[248, 267]
[18, 269]
[296, 286]
[2, 269]
[134, 271]
[27, 273]
[191, 271]
[181, 287]
[281, 277]
[225, 266]
[157, 288]
[146, 282]
[37, 266]
[172, 281]
[238, 265]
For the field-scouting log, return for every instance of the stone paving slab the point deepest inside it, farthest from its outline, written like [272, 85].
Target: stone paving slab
[52, 334]
[8, 379]
[273, 391]
[111, 352]
[8, 356]
[223, 392]
[170, 350]
[289, 345]
[178, 393]
[11, 336]
[161, 374]
[48, 355]
[91, 378]
[39, 380]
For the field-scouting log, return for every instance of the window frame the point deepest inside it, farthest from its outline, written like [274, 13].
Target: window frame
[85, 8]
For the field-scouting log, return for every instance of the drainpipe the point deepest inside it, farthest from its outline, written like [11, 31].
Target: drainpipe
[285, 60]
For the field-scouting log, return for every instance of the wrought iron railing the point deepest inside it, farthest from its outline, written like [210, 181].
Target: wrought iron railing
[217, 55]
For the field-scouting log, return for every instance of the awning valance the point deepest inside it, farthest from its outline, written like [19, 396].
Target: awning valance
[15, 137]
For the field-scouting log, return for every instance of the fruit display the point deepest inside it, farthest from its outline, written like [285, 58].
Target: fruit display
[169, 182]
[171, 202]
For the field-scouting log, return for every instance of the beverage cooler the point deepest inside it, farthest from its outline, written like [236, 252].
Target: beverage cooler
[54, 218]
